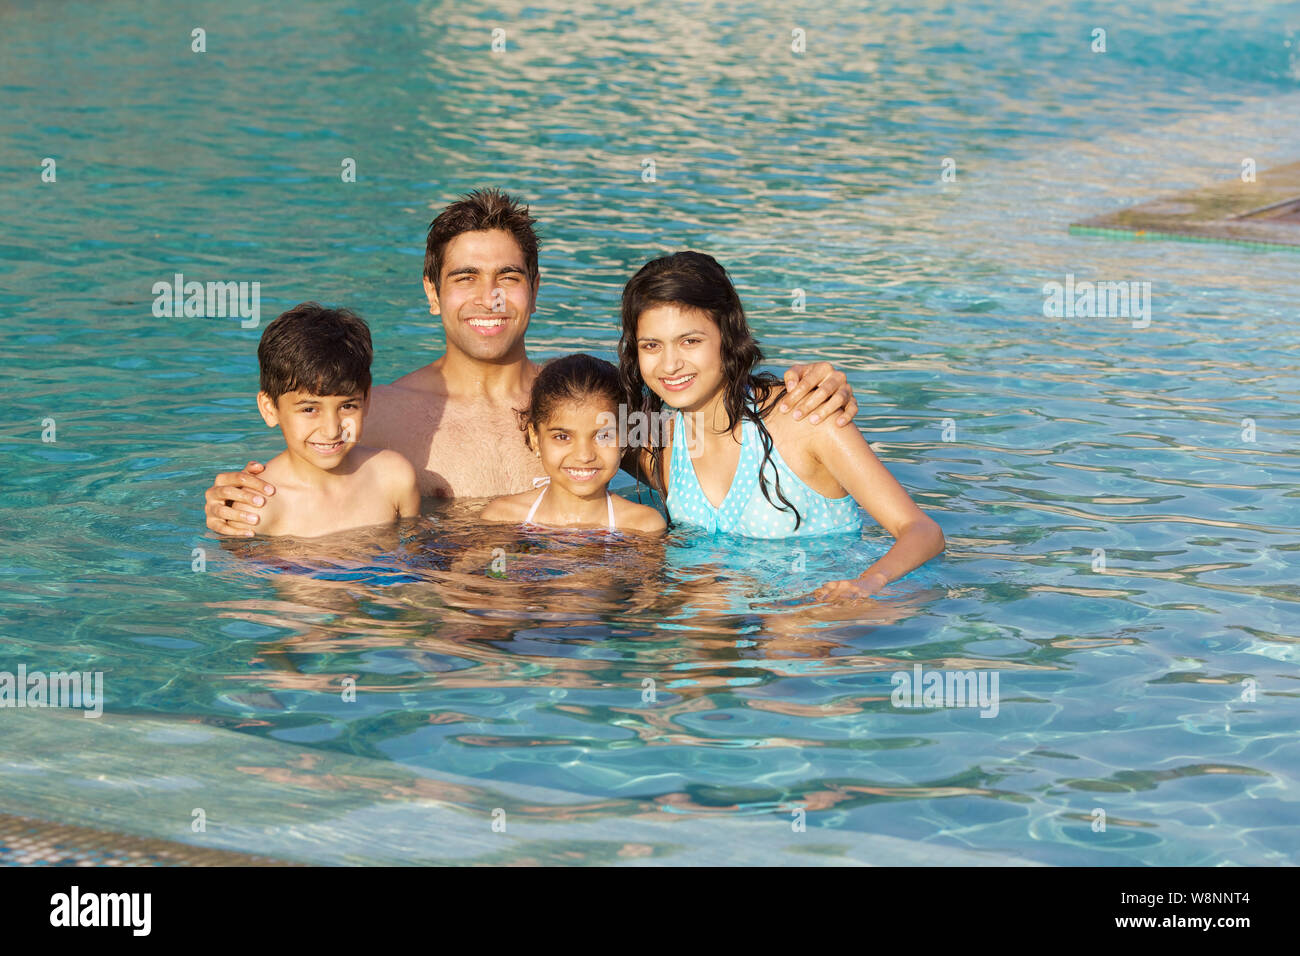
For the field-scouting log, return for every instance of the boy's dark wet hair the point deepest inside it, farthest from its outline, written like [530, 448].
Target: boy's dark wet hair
[316, 350]
[480, 210]
[573, 378]
[694, 280]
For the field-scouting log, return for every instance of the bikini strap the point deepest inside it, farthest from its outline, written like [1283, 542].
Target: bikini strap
[609, 503]
[679, 459]
[533, 510]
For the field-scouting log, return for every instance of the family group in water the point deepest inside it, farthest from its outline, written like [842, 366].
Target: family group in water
[740, 452]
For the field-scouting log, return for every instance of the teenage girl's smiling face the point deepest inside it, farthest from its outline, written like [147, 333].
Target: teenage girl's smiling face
[679, 351]
[579, 445]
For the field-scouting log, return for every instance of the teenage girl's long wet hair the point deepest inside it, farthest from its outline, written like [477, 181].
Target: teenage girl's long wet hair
[573, 378]
[696, 281]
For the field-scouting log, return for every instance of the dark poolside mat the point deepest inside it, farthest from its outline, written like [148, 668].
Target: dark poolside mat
[27, 842]
[1260, 214]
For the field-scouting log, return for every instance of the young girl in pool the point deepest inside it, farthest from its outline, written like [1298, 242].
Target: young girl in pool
[728, 463]
[571, 425]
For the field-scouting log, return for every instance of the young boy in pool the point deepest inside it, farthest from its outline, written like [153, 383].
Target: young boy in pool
[571, 425]
[315, 379]
[730, 465]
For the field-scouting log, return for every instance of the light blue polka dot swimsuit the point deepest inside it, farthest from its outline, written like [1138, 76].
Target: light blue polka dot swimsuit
[744, 510]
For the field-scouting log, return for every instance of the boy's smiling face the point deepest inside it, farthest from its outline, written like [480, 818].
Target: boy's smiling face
[319, 429]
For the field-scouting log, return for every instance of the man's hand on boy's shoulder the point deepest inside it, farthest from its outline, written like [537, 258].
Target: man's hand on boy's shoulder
[818, 391]
[233, 502]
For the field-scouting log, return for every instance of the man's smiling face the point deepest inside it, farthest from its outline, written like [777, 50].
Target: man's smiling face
[485, 296]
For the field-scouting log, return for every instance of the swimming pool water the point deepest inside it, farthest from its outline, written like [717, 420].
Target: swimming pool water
[1120, 690]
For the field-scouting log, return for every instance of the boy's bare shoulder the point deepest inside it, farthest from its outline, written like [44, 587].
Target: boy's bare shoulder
[276, 468]
[396, 465]
[384, 464]
[630, 516]
[508, 507]
[272, 514]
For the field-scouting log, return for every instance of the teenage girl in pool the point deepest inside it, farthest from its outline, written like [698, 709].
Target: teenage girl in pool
[730, 465]
[568, 426]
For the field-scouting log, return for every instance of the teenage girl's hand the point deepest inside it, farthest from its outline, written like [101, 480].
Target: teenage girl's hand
[853, 589]
[818, 391]
[234, 499]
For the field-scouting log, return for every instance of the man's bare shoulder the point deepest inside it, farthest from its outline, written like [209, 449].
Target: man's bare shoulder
[396, 413]
[511, 508]
[630, 516]
[420, 389]
[426, 378]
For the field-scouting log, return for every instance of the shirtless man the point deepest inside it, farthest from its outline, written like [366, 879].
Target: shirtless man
[454, 419]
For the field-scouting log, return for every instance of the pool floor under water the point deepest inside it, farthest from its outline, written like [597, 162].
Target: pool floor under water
[136, 803]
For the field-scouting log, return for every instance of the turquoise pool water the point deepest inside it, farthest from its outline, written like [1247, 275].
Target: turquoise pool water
[1120, 690]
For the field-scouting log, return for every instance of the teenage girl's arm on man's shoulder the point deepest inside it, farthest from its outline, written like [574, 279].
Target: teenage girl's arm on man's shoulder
[917, 537]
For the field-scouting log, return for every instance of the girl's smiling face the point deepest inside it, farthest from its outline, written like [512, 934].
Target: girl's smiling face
[578, 445]
[679, 353]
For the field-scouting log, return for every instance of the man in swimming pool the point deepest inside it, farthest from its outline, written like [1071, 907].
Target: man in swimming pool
[454, 419]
